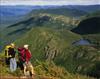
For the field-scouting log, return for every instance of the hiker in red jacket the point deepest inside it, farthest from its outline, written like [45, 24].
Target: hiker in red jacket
[24, 58]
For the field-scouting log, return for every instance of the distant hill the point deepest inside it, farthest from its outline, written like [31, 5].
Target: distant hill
[11, 14]
[70, 10]
[15, 13]
[94, 14]
[59, 22]
[86, 8]
[61, 10]
[88, 26]
[50, 20]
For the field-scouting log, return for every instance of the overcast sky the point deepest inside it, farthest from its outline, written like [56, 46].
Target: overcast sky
[49, 2]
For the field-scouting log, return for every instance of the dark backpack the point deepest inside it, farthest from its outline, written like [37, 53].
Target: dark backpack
[11, 52]
[22, 55]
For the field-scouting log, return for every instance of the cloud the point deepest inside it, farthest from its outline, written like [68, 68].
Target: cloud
[49, 2]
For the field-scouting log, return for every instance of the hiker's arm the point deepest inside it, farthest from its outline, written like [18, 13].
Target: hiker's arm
[19, 49]
[17, 53]
[30, 53]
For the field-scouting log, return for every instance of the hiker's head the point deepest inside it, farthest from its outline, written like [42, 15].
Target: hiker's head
[12, 44]
[26, 46]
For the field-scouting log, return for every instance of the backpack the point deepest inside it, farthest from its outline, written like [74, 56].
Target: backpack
[8, 51]
[24, 54]
[11, 52]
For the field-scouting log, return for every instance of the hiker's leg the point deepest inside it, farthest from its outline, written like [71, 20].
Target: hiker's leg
[14, 64]
[7, 61]
[24, 65]
[32, 72]
[32, 69]
[20, 64]
[11, 65]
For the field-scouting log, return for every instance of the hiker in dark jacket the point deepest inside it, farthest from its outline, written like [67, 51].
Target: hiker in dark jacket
[7, 55]
[10, 54]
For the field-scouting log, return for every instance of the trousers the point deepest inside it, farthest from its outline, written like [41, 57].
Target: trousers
[13, 64]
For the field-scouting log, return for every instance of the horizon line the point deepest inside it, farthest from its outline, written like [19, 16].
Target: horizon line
[46, 5]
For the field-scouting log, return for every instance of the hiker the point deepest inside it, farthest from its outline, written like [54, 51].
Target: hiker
[24, 58]
[7, 56]
[10, 56]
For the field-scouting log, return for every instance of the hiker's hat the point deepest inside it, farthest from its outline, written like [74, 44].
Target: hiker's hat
[12, 44]
[26, 46]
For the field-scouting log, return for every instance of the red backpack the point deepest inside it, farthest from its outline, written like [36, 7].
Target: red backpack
[24, 54]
